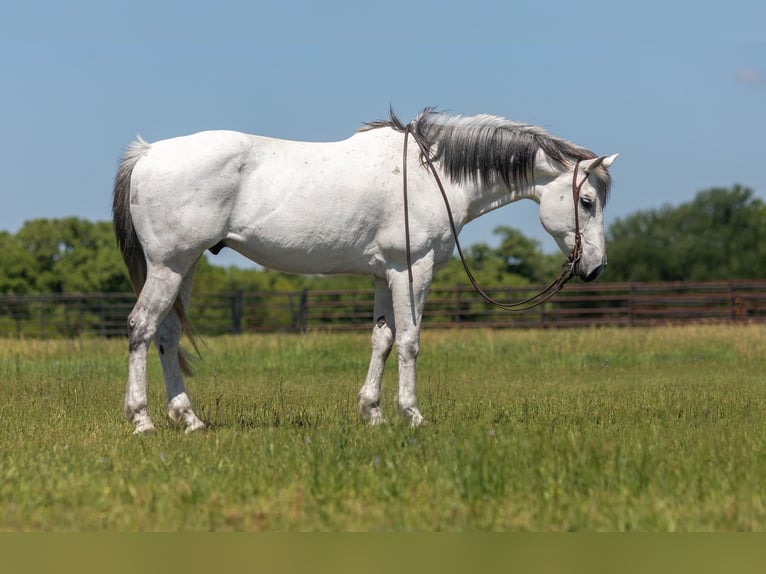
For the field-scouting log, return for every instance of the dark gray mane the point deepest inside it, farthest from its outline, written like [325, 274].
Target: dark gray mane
[484, 148]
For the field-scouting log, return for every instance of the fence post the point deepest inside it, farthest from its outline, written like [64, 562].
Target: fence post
[458, 311]
[42, 319]
[102, 315]
[79, 316]
[631, 295]
[303, 312]
[236, 311]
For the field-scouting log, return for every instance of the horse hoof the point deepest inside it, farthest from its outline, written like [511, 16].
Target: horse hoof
[376, 417]
[416, 419]
[196, 425]
[144, 427]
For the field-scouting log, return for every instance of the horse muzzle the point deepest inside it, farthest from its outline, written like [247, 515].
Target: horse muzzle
[590, 274]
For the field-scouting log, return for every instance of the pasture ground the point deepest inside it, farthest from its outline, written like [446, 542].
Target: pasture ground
[656, 429]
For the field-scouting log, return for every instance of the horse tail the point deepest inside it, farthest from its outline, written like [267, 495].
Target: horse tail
[129, 244]
[127, 239]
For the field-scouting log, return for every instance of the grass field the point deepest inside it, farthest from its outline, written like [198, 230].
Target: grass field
[604, 429]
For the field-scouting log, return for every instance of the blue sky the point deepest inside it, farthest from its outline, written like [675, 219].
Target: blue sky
[678, 88]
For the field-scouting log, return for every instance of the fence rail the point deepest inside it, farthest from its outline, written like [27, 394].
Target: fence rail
[579, 304]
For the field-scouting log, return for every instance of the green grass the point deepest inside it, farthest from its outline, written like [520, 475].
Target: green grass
[604, 429]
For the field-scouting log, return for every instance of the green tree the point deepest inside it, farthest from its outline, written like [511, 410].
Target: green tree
[517, 261]
[71, 256]
[17, 266]
[721, 234]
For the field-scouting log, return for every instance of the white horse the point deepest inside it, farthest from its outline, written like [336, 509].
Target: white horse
[334, 208]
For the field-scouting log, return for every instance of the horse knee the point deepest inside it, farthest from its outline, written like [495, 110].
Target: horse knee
[382, 337]
[408, 348]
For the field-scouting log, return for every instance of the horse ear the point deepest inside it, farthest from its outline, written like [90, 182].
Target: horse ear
[607, 161]
[591, 164]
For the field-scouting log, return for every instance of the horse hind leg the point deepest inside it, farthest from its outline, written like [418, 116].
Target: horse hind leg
[168, 342]
[383, 334]
[154, 302]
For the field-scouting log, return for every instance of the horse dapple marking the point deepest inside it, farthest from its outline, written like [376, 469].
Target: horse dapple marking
[332, 208]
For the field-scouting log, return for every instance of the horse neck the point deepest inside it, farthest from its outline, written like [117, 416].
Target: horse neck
[481, 198]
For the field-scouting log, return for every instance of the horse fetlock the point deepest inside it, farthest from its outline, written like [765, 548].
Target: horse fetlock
[370, 410]
[366, 404]
[142, 422]
[134, 408]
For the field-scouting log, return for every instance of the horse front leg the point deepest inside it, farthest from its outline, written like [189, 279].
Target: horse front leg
[383, 334]
[407, 345]
[408, 303]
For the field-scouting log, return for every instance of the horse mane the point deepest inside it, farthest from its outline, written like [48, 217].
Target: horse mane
[484, 148]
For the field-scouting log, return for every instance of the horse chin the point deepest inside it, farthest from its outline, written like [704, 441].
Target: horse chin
[589, 275]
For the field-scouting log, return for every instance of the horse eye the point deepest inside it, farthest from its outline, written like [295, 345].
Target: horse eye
[586, 202]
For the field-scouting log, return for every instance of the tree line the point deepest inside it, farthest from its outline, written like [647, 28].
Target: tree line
[720, 234]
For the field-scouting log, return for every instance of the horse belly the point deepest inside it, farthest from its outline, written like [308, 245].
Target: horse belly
[308, 237]
[315, 208]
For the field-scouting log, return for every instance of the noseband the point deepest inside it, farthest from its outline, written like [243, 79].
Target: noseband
[554, 287]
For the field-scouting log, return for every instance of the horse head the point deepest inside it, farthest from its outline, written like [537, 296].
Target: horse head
[572, 211]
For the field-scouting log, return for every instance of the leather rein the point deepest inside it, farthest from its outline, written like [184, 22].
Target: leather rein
[554, 287]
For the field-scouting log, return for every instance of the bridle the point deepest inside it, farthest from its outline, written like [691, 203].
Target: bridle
[554, 287]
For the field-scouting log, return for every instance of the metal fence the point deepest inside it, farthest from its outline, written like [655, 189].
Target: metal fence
[579, 304]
